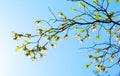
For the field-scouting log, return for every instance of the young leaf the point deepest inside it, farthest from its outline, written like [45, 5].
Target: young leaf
[103, 69]
[118, 30]
[79, 4]
[97, 24]
[89, 56]
[53, 46]
[95, 1]
[56, 38]
[17, 48]
[66, 37]
[81, 31]
[87, 65]
[111, 58]
[77, 35]
[97, 49]
[41, 55]
[109, 0]
[96, 52]
[84, 7]
[75, 28]
[111, 14]
[93, 28]
[80, 40]
[95, 59]
[73, 9]
[119, 61]
[106, 19]
[116, 1]
[97, 16]
[87, 36]
[108, 32]
[97, 72]
[97, 37]
[60, 14]
[38, 22]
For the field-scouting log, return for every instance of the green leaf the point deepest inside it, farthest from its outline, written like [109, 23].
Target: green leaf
[17, 48]
[97, 37]
[116, 1]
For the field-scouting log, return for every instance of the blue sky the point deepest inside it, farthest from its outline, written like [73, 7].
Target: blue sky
[20, 16]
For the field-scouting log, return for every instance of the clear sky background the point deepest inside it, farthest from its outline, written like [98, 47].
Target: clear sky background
[20, 16]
